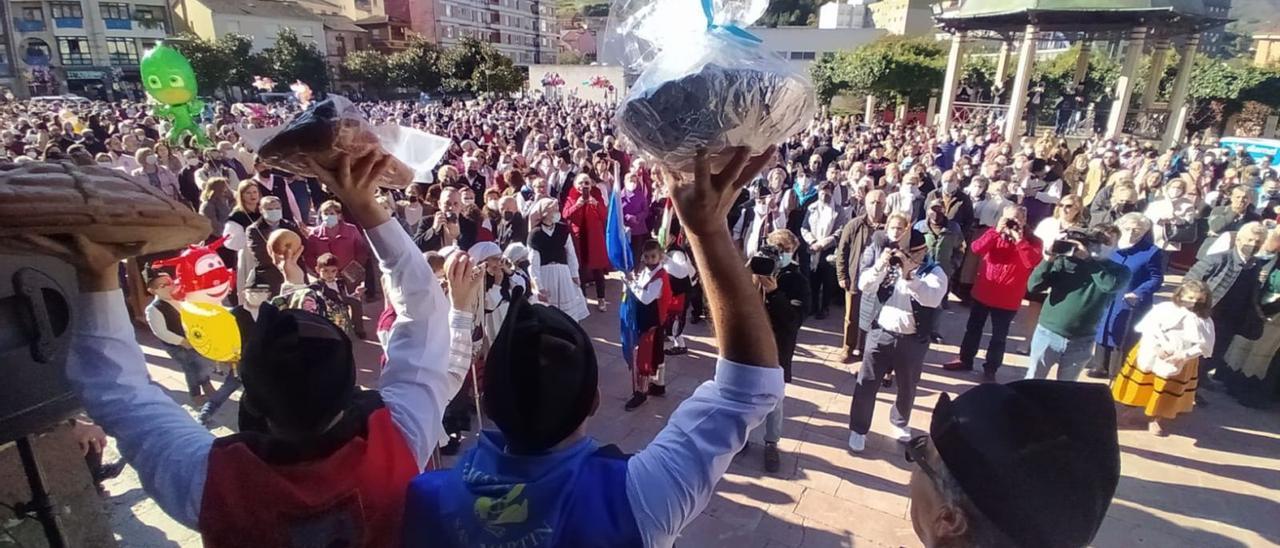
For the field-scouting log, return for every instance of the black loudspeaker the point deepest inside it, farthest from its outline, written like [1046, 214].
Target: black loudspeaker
[36, 296]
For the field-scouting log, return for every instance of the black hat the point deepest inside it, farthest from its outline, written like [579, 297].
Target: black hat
[1037, 458]
[917, 240]
[540, 376]
[297, 369]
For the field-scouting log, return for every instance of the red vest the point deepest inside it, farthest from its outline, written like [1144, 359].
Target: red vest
[354, 497]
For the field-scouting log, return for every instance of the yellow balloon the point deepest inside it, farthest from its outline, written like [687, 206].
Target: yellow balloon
[211, 330]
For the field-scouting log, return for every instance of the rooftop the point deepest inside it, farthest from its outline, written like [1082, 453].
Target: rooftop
[261, 8]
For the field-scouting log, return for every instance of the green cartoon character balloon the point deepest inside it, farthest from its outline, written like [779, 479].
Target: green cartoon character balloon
[168, 78]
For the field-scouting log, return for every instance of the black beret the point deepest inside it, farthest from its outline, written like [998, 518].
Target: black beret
[1039, 458]
[298, 370]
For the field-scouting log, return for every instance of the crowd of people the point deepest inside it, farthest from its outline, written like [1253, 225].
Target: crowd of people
[1074, 242]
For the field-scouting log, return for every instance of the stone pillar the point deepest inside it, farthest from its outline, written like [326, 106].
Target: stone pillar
[1021, 80]
[1082, 62]
[1124, 83]
[1159, 58]
[1179, 109]
[900, 114]
[870, 110]
[952, 81]
[931, 111]
[1002, 63]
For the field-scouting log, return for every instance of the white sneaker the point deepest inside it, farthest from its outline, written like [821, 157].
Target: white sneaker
[901, 434]
[857, 442]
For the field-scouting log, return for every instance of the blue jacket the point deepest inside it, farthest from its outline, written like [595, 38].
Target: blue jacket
[575, 498]
[1145, 278]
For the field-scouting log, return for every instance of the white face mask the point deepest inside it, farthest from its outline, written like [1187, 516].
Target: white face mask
[761, 208]
[413, 214]
[255, 299]
[551, 219]
[784, 259]
[331, 220]
[272, 215]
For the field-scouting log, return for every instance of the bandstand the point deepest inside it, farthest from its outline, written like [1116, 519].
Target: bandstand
[1020, 23]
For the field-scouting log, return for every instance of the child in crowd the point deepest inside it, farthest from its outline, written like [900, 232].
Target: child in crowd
[166, 324]
[651, 288]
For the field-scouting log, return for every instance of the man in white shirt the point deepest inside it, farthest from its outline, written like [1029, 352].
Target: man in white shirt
[902, 291]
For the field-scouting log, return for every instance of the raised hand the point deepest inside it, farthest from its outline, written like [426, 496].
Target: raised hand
[464, 281]
[703, 202]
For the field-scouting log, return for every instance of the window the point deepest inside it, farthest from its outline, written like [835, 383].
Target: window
[75, 51]
[308, 32]
[149, 17]
[342, 45]
[803, 56]
[65, 10]
[359, 43]
[448, 11]
[115, 11]
[448, 31]
[122, 51]
[32, 13]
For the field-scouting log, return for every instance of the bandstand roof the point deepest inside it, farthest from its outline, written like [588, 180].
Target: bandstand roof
[1169, 17]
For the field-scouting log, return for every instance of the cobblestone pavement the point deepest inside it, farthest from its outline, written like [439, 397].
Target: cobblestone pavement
[1214, 482]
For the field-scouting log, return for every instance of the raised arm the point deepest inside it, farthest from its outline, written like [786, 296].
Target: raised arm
[415, 383]
[106, 367]
[671, 481]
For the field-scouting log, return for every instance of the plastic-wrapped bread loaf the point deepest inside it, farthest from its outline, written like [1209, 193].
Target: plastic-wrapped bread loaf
[103, 204]
[320, 132]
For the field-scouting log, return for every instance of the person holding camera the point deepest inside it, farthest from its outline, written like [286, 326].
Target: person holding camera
[1081, 281]
[901, 293]
[447, 227]
[785, 288]
[1007, 254]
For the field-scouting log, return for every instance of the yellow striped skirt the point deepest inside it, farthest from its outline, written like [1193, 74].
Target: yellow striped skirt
[1158, 397]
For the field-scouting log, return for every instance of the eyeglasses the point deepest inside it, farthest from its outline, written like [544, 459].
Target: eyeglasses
[916, 453]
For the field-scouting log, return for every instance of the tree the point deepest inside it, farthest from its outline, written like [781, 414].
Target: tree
[790, 13]
[570, 57]
[478, 67]
[893, 68]
[293, 59]
[1057, 74]
[419, 66]
[1222, 89]
[370, 68]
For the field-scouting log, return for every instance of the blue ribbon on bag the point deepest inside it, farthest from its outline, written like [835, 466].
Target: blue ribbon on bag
[733, 30]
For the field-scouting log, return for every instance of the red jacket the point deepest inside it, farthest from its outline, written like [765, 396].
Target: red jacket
[587, 222]
[1004, 269]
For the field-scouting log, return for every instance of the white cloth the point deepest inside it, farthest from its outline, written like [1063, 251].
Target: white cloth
[556, 283]
[170, 451]
[646, 286]
[1174, 329]
[896, 315]
[1161, 211]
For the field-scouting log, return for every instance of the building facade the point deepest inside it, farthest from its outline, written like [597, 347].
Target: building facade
[1210, 39]
[260, 20]
[524, 30]
[1266, 47]
[802, 46]
[84, 47]
[904, 17]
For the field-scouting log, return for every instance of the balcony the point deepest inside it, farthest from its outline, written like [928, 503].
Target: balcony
[68, 22]
[28, 25]
[118, 24]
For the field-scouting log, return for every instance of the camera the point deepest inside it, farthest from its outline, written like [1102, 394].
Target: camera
[451, 217]
[1088, 238]
[765, 261]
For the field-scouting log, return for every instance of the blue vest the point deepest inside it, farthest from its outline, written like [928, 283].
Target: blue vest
[574, 498]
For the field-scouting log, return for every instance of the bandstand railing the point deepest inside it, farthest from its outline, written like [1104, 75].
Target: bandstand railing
[1146, 123]
[981, 115]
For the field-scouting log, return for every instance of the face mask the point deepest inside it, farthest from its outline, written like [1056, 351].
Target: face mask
[492, 204]
[761, 209]
[1103, 251]
[272, 215]
[949, 187]
[331, 220]
[551, 219]
[784, 259]
[151, 160]
[1174, 194]
[468, 201]
[255, 298]
[1248, 250]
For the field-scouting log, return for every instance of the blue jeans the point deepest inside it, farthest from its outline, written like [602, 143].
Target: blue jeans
[772, 424]
[1049, 349]
[195, 368]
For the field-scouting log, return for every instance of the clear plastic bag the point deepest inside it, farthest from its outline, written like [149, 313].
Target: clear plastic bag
[334, 125]
[703, 82]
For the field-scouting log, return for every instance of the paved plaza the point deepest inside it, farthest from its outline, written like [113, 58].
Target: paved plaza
[1214, 482]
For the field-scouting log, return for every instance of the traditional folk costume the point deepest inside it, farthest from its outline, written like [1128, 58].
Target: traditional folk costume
[651, 290]
[683, 278]
[1165, 387]
[554, 264]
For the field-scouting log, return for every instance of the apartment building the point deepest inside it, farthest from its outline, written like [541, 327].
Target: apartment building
[524, 30]
[85, 47]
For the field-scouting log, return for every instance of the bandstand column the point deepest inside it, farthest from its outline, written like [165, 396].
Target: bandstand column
[1159, 58]
[951, 83]
[869, 112]
[1179, 109]
[1124, 83]
[1082, 62]
[1002, 62]
[1021, 80]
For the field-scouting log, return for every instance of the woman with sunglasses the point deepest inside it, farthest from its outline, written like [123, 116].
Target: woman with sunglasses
[1160, 374]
